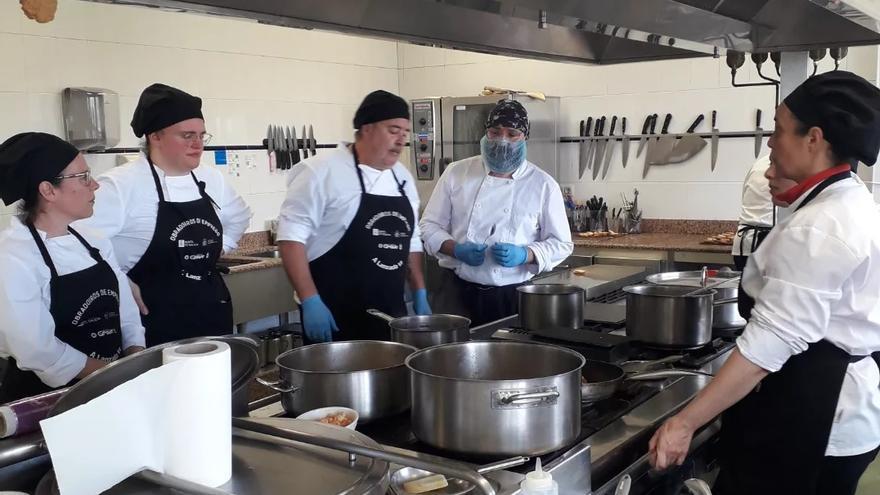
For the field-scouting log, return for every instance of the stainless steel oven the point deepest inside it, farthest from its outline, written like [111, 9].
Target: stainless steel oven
[449, 129]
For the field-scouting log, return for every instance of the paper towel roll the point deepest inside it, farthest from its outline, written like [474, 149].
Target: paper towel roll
[199, 442]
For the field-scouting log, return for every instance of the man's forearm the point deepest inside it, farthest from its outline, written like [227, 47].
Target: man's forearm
[448, 247]
[296, 265]
[414, 271]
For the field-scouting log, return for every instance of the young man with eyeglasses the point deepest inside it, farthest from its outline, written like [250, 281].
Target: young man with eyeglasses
[348, 229]
[170, 219]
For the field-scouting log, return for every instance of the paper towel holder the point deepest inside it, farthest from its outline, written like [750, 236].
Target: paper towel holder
[91, 117]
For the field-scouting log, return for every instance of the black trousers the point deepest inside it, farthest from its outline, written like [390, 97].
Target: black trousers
[840, 475]
[481, 303]
[740, 262]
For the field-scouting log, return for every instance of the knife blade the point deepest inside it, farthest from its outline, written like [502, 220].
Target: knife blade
[285, 150]
[600, 149]
[644, 138]
[662, 148]
[591, 148]
[714, 140]
[689, 145]
[312, 143]
[624, 147]
[305, 142]
[610, 147]
[270, 148]
[294, 146]
[759, 133]
[586, 127]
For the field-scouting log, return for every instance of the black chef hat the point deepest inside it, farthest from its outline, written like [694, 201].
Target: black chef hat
[161, 106]
[29, 158]
[378, 106]
[847, 109]
[511, 114]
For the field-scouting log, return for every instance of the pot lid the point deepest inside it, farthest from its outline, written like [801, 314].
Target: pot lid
[692, 278]
[262, 468]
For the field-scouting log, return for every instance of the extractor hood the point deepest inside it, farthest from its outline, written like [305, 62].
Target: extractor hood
[587, 31]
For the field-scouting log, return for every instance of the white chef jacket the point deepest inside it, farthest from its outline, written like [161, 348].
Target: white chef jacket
[27, 330]
[526, 209]
[126, 206]
[757, 206]
[324, 194]
[817, 276]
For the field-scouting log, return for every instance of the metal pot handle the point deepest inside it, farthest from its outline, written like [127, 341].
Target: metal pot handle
[669, 373]
[379, 314]
[532, 398]
[276, 386]
[728, 300]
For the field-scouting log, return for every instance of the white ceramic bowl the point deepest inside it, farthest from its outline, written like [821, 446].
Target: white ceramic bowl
[318, 414]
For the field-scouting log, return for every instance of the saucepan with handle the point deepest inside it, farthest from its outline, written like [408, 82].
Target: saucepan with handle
[423, 331]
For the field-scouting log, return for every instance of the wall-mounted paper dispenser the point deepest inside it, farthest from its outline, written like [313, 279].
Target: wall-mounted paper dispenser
[91, 117]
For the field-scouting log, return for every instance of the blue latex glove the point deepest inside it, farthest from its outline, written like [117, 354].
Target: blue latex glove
[318, 322]
[471, 253]
[509, 255]
[420, 302]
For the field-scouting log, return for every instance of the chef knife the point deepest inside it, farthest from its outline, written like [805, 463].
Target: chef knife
[689, 145]
[644, 138]
[624, 148]
[270, 148]
[660, 151]
[585, 129]
[714, 140]
[610, 147]
[305, 142]
[591, 148]
[294, 146]
[312, 143]
[759, 133]
[282, 146]
[601, 143]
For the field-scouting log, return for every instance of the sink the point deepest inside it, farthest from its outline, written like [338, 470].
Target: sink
[272, 253]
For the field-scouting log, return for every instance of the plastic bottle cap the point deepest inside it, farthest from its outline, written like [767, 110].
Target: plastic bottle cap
[538, 480]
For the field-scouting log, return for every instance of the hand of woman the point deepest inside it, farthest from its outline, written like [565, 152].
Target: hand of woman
[136, 293]
[670, 444]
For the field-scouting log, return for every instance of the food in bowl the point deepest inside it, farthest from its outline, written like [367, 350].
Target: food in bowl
[338, 419]
[333, 415]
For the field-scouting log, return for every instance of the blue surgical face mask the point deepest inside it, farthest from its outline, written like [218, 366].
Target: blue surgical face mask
[503, 156]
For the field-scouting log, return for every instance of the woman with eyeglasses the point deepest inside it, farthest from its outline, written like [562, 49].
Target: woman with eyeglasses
[170, 218]
[67, 309]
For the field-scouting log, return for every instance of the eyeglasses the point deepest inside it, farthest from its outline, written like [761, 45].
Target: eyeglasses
[84, 177]
[500, 132]
[194, 137]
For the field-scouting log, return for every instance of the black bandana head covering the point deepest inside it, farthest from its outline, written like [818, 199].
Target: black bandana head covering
[29, 158]
[161, 106]
[847, 109]
[511, 114]
[378, 106]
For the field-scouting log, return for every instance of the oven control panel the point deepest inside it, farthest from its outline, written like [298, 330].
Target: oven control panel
[425, 137]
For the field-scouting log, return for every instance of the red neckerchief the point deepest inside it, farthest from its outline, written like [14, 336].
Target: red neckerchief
[791, 195]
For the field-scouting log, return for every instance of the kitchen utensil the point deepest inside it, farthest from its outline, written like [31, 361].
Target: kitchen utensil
[659, 152]
[244, 361]
[281, 155]
[551, 305]
[494, 398]
[313, 145]
[291, 146]
[759, 133]
[661, 315]
[322, 412]
[456, 486]
[270, 148]
[688, 146]
[601, 144]
[623, 485]
[641, 366]
[366, 375]
[294, 145]
[601, 380]
[422, 331]
[305, 142]
[705, 289]
[649, 121]
[586, 127]
[697, 486]
[649, 144]
[624, 148]
[610, 147]
[724, 315]
[714, 140]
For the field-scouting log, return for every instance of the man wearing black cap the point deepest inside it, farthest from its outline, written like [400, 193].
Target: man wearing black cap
[800, 392]
[66, 307]
[348, 230]
[497, 197]
[170, 218]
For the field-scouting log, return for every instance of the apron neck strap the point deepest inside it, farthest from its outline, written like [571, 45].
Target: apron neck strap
[822, 185]
[361, 174]
[93, 251]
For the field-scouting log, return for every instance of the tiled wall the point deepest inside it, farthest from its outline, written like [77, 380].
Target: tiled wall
[685, 88]
[248, 74]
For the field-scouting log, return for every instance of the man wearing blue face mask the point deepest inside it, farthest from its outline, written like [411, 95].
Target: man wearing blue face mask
[494, 221]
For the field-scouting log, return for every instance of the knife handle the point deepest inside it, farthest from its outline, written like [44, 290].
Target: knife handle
[613, 125]
[623, 125]
[714, 115]
[581, 128]
[588, 127]
[696, 123]
[646, 125]
[602, 130]
[653, 123]
[758, 118]
[666, 122]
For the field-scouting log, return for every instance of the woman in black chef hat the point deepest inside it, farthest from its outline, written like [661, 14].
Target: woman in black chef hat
[65, 312]
[799, 394]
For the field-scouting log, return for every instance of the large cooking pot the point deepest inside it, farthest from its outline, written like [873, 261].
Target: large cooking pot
[496, 398]
[551, 306]
[368, 376]
[664, 316]
[426, 330]
[724, 315]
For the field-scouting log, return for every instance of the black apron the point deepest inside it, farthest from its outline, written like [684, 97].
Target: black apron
[367, 267]
[773, 441]
[177, 275]
[85, 308]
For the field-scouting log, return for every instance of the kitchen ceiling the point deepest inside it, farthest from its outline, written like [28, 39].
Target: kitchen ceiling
[587, 31]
